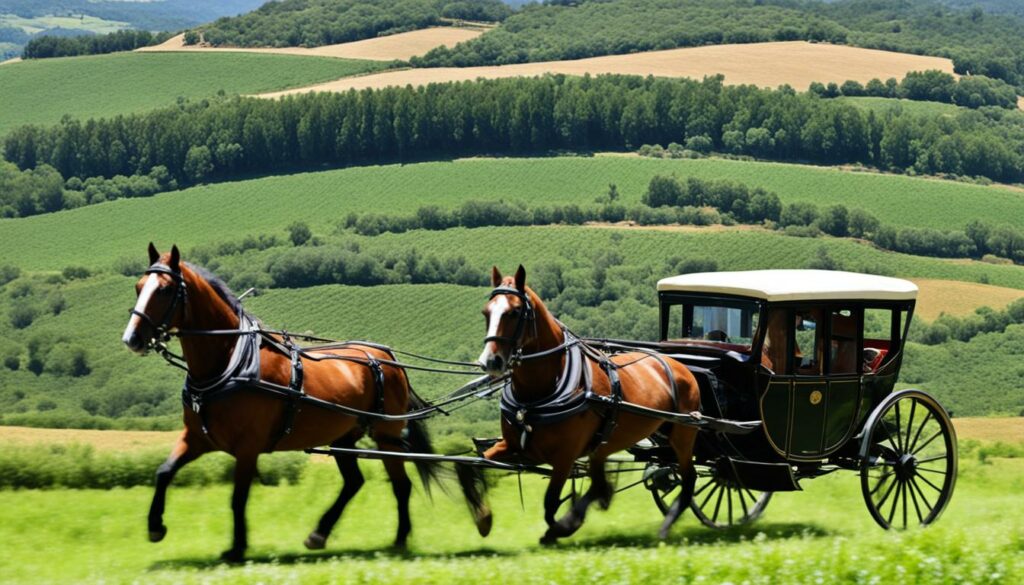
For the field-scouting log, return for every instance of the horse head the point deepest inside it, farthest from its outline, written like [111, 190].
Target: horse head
[160, 306]
[511, 318]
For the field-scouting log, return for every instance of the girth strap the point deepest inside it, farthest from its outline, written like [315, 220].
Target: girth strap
[610, 414]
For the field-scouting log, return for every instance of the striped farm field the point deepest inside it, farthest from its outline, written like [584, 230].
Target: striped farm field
[399, 46]
[794, 63]
[881, 105]
[41, 91]
[211, 213]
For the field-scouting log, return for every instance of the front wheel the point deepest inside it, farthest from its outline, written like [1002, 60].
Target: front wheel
[908, 460]
[718, 501]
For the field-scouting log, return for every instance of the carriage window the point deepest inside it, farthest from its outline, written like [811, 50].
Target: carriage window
[730, 324]
[882, 333]
[843, 346]
[808, 352]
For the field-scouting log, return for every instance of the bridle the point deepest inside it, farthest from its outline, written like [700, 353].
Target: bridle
[527, 315]
[162, 330]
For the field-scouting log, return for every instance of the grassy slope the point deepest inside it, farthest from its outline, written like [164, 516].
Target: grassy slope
[823, 534]
[41, 92]
[211, 213]
[882, 105]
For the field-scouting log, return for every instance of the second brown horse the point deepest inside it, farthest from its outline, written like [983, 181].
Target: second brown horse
[518, 324]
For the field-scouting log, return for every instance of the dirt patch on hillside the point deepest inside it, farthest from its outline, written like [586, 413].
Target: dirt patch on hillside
[9, 61]
[399, 46]
[959, 298]
[1007, 430]
[100, 440]
[796, 63]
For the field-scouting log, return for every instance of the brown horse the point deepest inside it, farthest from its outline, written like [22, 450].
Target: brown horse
[175, 298]
[518, 323]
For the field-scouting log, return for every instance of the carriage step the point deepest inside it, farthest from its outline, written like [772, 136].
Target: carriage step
[765, 477]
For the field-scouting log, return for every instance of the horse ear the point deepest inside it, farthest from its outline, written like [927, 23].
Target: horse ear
[175, 263]
[495, 276]
[521, 278]
[154, 255]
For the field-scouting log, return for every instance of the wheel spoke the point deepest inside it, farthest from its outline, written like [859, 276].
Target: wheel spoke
[917, 435]
[718, 504]
[920, 494]
[881, 482]
[730, 505]
[925, 479]
[895, 502]
[743, 502]
[899, 434]
[913, 498]
[932, 458]
[929, 470]
[708, 497]
[910, 423]
[903, 488]
[886, 496]
[702, 488]
[926, 443]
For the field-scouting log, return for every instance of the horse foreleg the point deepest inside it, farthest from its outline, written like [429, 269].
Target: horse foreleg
[352, 480]
[245, 471]
[600, 491]
[184, 452]
[552, 500]
[682, 440]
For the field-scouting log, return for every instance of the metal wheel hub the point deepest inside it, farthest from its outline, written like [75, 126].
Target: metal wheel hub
[905, 467]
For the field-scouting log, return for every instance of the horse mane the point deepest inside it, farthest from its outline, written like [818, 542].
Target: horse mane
[219, 286]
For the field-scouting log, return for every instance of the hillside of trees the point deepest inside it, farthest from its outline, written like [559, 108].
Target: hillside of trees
[46, 46]
[977, 42]
[312, 23]
[222, 139]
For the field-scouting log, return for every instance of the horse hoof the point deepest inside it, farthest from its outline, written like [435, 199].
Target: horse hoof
[484, 524]
[233, 555]
[158, 534]
[315, 541]
[548, 540]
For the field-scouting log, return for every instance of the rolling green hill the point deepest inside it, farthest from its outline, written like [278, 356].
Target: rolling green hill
[41, 92]
[882, 105]
[213, 213]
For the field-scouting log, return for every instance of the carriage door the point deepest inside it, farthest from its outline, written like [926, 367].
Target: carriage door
[810, 384]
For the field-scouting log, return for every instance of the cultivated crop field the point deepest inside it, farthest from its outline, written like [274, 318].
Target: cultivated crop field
[42, 91]
[400, 46]
[882, 105]
[210, 213]
[794, 63]
[822, 534]
[959, 298]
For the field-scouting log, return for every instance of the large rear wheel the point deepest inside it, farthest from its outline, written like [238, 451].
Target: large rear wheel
[908, 460]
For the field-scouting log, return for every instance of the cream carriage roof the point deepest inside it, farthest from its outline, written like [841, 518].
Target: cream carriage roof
[794, 285]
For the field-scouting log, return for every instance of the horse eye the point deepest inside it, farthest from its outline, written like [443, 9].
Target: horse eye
[515, 312]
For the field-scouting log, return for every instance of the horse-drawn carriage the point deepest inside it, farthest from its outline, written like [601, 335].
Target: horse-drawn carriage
[759, 380]
[814, 355]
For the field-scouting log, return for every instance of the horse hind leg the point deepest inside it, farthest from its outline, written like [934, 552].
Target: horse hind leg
[352, 481]
[401, 486]
[183, 453]
[600, 491]
[682, 440]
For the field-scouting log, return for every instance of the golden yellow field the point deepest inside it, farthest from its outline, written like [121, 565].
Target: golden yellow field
[796, 63]
[100, 440]
[399, 46]
[1007, 430]
[959, 298]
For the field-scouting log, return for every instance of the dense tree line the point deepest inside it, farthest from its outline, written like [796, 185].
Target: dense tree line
[220, 139]
[312, 23]
[973, 91]
[556, 30]
[46, 46]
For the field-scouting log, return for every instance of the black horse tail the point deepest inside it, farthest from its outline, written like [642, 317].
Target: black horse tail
[418, 441]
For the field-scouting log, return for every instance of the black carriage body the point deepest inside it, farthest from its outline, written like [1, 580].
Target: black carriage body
[809, 415]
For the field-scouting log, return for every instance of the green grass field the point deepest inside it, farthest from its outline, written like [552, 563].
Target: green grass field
[820, 535]
[83, 22]
[883, 105]
[42, 91]
[211, 213]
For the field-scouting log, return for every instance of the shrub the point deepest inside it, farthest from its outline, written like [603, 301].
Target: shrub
[75, 272]
[299, 233]
[22, 314]
[8, 272]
